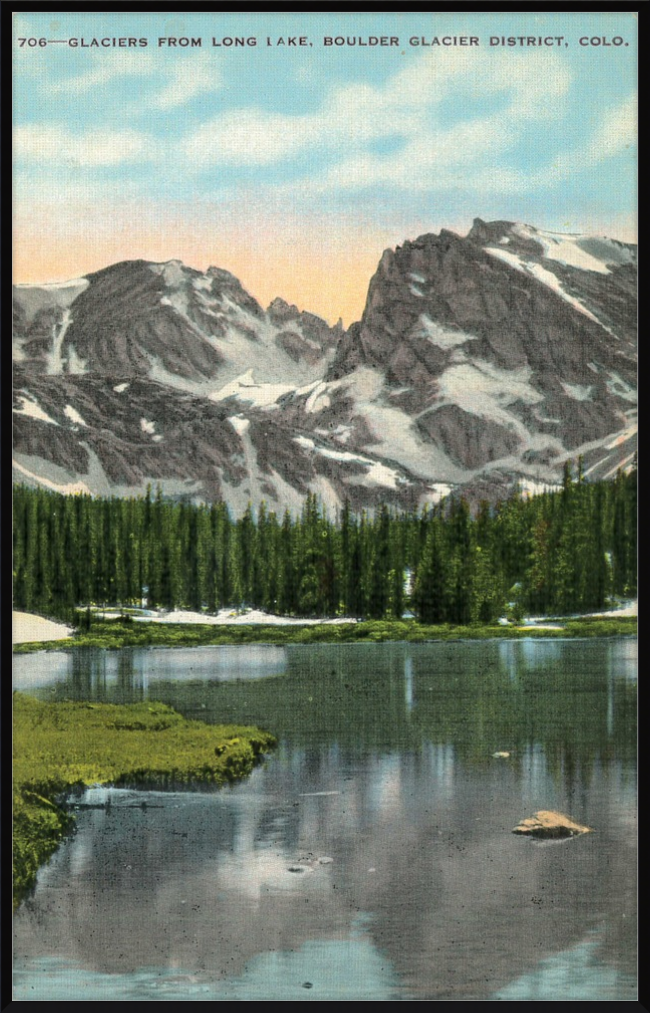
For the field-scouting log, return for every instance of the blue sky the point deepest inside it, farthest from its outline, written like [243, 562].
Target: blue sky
[296, 166]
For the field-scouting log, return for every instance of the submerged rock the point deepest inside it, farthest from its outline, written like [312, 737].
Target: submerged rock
[550, 824]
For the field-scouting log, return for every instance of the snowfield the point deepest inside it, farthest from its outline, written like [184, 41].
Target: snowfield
[229, 617]
[27, 628]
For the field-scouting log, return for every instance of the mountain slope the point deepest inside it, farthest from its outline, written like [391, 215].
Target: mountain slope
[478, 362]
[168, 322]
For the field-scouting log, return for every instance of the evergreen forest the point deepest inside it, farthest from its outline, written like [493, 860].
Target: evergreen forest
[560, 552]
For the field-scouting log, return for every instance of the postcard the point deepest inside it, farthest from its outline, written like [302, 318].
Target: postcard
[324, 506]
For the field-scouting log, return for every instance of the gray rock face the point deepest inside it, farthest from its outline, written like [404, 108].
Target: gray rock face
[469, 445]
[478, 362]
[508, 342]
[166, 321]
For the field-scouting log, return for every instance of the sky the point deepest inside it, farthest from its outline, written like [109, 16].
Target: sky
[295, 166]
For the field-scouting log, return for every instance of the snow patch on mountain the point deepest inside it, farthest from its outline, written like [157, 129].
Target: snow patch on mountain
[239, 424]
[438, 491]
[249, 339]
[341, 433]
[443, 337]
[68, 488]
[565, 248]
[172, 272]
[379, 474]
[245, 388]
[376, 473]
[33, 410]
[74, 416]
[318, 399]
[75, 364]
[178, 301]
[257, 486]
[539, 415]
[577, 391]
[616, 385]
[394, 435]
[34, 298]
[480, 388]
[543, 275]
[55, 361]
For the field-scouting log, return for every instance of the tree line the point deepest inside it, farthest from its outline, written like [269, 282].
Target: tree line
[561, 551]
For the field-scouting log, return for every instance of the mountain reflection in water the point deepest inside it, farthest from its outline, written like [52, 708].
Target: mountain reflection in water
[385, 765]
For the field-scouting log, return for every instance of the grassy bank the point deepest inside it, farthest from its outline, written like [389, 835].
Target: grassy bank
[62, 745]
[118, 633]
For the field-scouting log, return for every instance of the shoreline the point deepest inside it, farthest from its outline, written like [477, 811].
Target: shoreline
[140, 745]
[118, 633]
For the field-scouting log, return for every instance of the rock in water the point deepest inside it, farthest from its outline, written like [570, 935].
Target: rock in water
[550, 824]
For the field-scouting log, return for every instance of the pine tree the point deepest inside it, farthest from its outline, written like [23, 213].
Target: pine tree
[379, 574]
[429, 599]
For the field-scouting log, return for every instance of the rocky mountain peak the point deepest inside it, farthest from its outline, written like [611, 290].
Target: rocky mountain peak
[479, 361]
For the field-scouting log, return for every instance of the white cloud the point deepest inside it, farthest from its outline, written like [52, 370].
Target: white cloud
[107, 68]
[178, 82]
[616, 131]
[407, 109]
[251, 136]
[194, 76]
[55, 145]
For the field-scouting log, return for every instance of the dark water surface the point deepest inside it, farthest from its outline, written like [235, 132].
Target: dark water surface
[385, 768]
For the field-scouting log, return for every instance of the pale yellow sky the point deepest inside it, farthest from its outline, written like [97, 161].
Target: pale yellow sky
[322, 265]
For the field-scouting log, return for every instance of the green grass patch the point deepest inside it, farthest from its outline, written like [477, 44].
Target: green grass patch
[59, 746]
[115, 634]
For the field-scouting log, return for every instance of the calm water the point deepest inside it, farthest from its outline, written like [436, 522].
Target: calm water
[384, 768]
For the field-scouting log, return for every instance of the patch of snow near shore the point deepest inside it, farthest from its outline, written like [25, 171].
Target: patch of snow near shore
[228, 617]
[540, 626]
[27, 628]
[628, 610]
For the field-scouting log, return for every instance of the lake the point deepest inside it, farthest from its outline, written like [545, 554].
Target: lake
[371, 856]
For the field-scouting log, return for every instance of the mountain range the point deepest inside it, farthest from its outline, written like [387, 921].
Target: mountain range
[480, 362]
